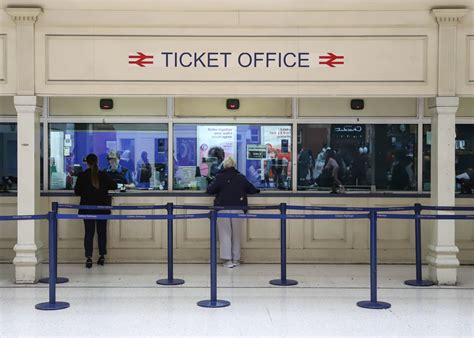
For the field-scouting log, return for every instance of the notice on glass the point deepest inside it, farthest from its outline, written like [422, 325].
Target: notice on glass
[58, 181]
[208, 137]
[256, 151]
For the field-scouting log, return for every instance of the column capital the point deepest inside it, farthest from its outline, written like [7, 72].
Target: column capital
[449, 16]
[27, 100]
[443, 101]
[24, 15]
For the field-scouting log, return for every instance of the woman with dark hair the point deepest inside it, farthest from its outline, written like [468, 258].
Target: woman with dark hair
[93, 186]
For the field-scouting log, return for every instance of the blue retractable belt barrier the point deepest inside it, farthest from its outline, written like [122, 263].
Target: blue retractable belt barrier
[419, 276]
[59, 280]
[170, 280]
[23, 217]
[53, 235]
[111, 207]
[245, 208]
[446, 208]
[387, 209]
[220, 212]
[373, 303]
[292, 216]
[283, 281]
[213, 302]
[131, 217]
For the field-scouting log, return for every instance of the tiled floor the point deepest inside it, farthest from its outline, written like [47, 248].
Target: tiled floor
[123, 299]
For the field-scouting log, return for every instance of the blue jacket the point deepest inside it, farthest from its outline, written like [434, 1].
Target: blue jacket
[231, 188]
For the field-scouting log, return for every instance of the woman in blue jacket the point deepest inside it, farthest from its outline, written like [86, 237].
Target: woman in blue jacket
[231, 189]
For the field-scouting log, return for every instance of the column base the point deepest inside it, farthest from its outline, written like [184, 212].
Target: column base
[27, 264]
[443, 264]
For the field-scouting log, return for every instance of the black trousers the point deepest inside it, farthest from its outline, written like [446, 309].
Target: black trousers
[90, 226]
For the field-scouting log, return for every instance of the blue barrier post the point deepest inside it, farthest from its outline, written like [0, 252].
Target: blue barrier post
[53, 233]
[213, 302]
[170, 280]
[283, 281]
[373, 303]
[59, 280]
[419, 279]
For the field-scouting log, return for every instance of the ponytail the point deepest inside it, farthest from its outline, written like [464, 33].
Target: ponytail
[91, 160]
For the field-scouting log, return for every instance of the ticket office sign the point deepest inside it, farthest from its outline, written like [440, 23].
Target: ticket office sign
[236, 59]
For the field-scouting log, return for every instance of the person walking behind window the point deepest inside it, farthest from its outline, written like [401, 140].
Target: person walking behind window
[231, 189]
[93, 186]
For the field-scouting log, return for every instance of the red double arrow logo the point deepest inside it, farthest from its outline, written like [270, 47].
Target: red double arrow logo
[140, 59]
[330, 60]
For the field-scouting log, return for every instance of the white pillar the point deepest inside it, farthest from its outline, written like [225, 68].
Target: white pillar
[442, 249]
[27, 258]
[28, 107]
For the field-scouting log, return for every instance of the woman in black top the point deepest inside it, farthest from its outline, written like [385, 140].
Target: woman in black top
[231, 189]
[93, 186]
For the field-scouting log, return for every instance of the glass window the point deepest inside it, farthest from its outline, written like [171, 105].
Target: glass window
[135, 155]
[262, 153]
[356, 156]
[464, 157]
[9, 158]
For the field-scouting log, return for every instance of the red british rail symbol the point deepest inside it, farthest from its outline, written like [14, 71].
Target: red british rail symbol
[330, 60]
[140, 59]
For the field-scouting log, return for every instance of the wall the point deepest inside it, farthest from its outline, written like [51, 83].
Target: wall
[373, 107]
[123, 106]
[339, 241]
[6, 106]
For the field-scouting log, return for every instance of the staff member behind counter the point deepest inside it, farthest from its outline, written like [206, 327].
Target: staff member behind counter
[120, 175]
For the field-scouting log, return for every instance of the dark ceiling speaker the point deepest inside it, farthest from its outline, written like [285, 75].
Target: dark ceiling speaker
[233, 104]
[357, 104]
[106, 103]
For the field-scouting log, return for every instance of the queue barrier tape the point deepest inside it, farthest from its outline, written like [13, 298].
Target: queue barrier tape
[250, 207]
[318, 208]
[23, 217]
[111, 207]
[443, 217]
[132, 217]
[446, 208]
[292, 216]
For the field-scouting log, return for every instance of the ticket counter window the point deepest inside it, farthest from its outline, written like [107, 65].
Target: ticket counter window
[464, 158]
[262, 153]
[368, 157]
[135, 155]
[9, 158]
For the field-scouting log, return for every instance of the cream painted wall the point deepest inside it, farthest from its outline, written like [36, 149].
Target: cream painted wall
[123, 106]
[341, 107]
[6, 106]
[249, 107]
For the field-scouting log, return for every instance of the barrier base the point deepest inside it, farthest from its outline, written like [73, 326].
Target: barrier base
[367, 304]
[414, 282]
[283, 282]
[213, 303]
[52, 306]
[59, 280]
[167, 281]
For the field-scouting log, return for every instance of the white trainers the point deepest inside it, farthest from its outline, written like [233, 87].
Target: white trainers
[236, 263]
[228, 264]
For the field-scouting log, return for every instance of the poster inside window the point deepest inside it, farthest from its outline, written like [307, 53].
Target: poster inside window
[135, 155]
[262, 153]
[359, 157]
